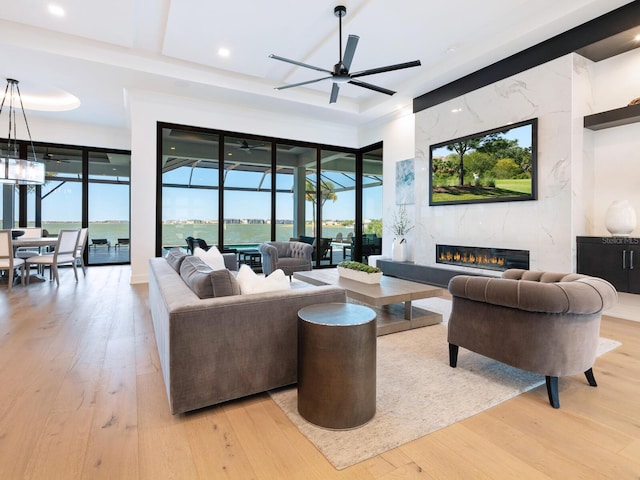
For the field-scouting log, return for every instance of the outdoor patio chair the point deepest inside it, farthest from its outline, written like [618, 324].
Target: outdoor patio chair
[122, 242]
[97, 242]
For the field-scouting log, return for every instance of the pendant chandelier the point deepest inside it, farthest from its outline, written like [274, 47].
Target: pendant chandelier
[13, 169]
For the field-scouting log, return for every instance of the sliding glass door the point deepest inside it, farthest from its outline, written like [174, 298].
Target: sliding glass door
[260, 189]
[190, 184]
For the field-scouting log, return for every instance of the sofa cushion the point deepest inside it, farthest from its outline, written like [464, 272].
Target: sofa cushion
[211, 257]
[174, 257]
[206, 282]
[250, 282]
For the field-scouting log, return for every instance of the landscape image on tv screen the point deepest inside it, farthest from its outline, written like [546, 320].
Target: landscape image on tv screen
[494, 166]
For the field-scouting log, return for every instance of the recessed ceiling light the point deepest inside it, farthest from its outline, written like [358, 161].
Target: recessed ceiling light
[224, 52]
[637, 38]
[56, 10]
[456, 110]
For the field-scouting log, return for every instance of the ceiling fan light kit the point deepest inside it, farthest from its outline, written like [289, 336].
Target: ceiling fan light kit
[340, 73]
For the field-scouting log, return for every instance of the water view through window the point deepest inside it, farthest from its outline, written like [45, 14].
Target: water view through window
[269, 191]
[83, 187]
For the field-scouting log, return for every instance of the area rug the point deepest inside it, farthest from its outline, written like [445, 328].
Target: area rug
[417, 393]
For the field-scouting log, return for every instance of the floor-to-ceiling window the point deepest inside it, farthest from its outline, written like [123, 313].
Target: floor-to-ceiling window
[337, 184]
[109, 206]
[247, 192]
[84, 187]
[372, 201]
[292, 164]
[190, 185]
[61, 194]
[263, 189]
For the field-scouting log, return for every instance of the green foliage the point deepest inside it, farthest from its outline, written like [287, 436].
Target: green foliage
[374, 226]
[506, 168]
[480, 163]
[361, 267]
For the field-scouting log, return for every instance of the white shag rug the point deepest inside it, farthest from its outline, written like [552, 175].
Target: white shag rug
[418, 393]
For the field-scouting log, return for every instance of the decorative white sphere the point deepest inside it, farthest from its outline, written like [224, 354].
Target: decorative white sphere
[620, 218]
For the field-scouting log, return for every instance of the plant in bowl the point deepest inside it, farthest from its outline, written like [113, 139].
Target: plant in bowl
[361, 267]
[359, 272]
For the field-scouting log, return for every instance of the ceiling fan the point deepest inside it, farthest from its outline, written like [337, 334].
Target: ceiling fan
[340, 73]
[244, 146]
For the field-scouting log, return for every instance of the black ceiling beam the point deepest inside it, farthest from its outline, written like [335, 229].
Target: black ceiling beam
[607, 25]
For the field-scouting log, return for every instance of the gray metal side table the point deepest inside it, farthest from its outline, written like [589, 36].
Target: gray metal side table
[337, 364]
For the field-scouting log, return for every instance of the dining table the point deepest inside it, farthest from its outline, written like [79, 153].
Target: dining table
[35, 242]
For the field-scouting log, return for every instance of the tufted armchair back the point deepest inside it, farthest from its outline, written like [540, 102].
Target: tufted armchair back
[290, 257]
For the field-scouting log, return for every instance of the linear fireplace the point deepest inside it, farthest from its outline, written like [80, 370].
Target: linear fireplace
[480, 257]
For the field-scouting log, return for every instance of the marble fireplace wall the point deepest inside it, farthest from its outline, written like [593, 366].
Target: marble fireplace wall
[546, 226]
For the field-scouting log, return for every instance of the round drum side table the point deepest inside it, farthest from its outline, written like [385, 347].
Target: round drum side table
[337, 364]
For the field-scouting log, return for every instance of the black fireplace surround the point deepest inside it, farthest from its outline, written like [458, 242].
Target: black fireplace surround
[499, 259]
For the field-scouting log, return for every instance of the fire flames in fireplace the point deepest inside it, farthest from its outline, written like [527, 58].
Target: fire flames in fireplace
[465, 258]
[479, 257]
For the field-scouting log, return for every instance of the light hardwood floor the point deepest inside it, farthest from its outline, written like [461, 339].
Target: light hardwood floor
[82, 396]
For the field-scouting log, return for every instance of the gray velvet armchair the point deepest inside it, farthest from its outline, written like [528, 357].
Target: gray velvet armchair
[290, 257]
[542, 322]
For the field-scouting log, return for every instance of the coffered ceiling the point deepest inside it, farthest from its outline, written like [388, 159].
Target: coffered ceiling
[96, 50]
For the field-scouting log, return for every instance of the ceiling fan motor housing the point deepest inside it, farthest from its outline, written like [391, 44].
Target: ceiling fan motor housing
[340, 11]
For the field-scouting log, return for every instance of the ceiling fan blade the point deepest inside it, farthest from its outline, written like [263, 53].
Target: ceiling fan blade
[334, 93]
[390, 68]
[302, 83]
[349, 50]
[372, 87]
[300, 64]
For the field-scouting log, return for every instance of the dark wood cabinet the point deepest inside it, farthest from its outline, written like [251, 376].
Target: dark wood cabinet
[616, 259]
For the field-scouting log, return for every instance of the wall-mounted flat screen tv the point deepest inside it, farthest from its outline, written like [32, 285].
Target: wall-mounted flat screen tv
[498, 165]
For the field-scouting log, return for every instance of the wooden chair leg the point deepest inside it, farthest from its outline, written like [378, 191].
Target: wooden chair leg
[552, 391]
[453, 355]
[590, 377]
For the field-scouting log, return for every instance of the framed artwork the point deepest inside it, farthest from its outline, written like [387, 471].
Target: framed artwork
[405, 180]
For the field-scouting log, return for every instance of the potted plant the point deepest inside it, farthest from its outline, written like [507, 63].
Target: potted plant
[400, 226]
[359, 272]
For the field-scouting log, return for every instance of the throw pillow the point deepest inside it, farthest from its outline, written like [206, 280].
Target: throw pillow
[250, 282]
[174, 257]
[206, 282]
[211, 257]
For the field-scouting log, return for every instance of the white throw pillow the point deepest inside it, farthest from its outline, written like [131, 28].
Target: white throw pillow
[211, 257]
[250, 282]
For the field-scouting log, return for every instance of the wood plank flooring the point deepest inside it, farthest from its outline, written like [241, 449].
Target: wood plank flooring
[82, 397]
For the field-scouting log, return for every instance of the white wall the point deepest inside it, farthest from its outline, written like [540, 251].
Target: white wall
[146, 109]
[398, 137]
[56, 131]
[616, 151]
[544, 226]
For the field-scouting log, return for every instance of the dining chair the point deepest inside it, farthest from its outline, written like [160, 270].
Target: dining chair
[26, 252]
[64, 253]
[7, 261]
[79, 253]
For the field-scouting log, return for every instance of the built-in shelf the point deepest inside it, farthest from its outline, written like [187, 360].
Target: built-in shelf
[613, 118]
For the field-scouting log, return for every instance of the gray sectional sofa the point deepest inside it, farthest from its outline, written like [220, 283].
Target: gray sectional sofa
[222, 348]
